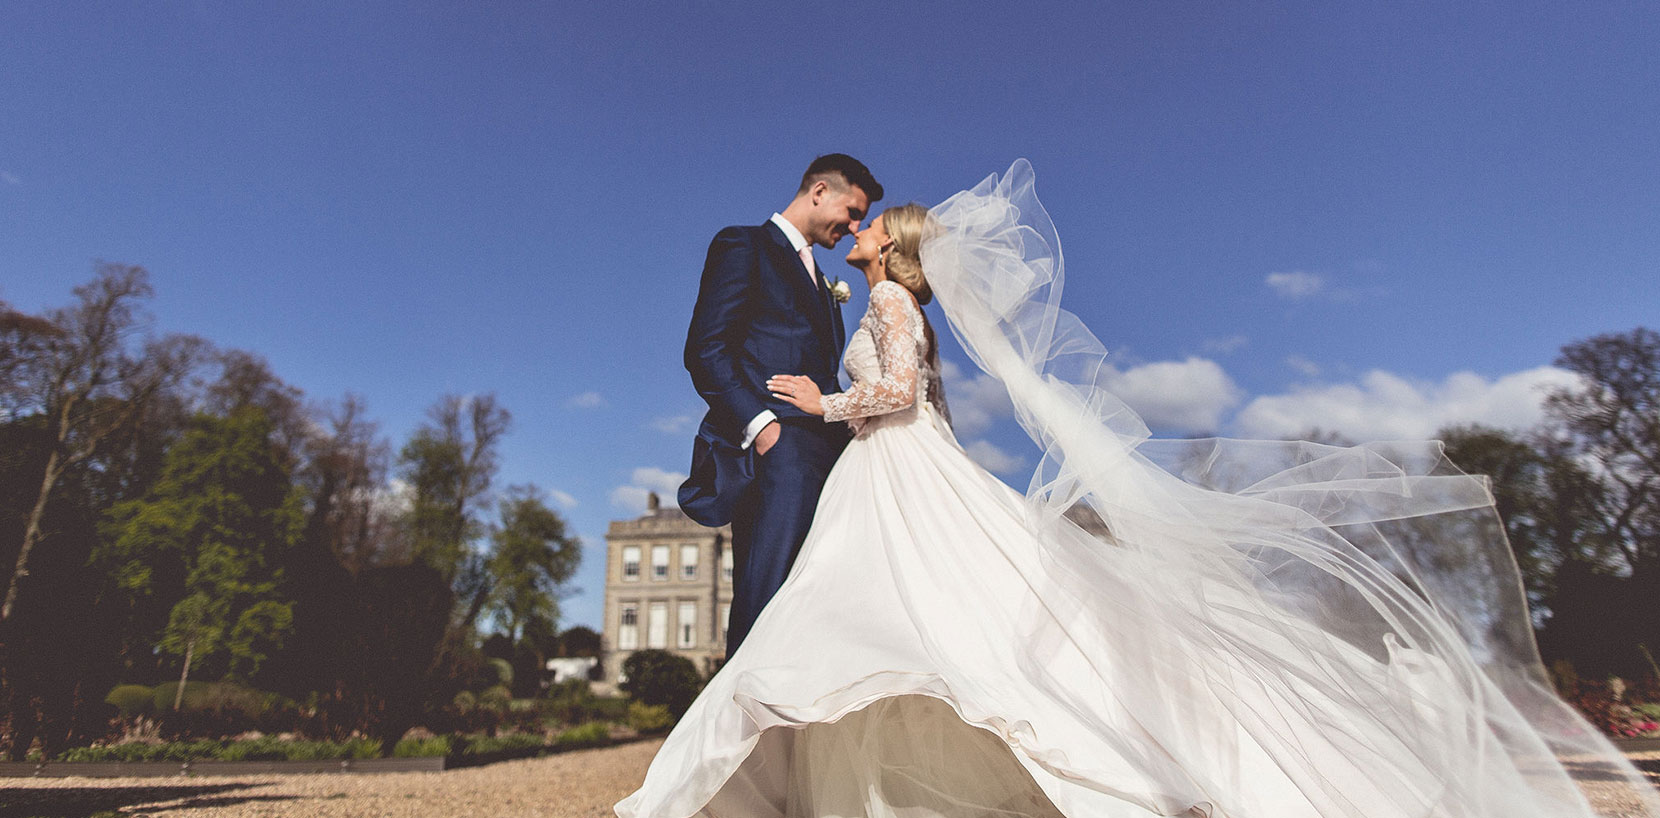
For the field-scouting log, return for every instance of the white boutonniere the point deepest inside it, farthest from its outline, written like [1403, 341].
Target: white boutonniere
[840, 291]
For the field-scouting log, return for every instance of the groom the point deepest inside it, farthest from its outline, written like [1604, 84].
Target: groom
[763, 308]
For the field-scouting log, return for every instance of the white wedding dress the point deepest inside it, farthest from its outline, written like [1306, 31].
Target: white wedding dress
[1275, 629]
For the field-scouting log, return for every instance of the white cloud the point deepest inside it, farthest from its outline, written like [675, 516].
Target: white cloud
[10, 178]
[1386, 406]
[1223, 346]
[673, 425]
[643, 481]
[976, 401]
[994, 459]
[1295, 285]
[1183, 396]
[1304, 366]
[563, 499]
[631, 499]
[587, 400]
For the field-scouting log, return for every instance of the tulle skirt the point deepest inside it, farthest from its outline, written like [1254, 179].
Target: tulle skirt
[926, 658]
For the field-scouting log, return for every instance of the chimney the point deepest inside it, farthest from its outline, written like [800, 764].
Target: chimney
[651, 502]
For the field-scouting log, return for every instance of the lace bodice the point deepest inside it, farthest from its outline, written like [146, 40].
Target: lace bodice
[887, 357]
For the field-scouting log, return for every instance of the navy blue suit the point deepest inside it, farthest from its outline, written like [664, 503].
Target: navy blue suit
[759, 314]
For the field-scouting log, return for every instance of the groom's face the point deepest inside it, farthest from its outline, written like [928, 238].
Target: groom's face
[837, 213]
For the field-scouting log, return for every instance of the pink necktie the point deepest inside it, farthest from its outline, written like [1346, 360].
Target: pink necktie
[807, 259]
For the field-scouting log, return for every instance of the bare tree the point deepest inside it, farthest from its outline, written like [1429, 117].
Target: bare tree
[450, 463]
[1613, 418]
[78, 370]
[348, 472]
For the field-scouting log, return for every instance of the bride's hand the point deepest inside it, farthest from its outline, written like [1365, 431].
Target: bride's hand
[798, 391]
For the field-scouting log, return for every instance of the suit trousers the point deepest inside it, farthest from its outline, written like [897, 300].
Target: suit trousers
[774, 513]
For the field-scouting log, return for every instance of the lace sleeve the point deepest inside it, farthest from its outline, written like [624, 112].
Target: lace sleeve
[896, 326]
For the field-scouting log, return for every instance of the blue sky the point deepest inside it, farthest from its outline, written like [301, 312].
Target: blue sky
[1373, 218]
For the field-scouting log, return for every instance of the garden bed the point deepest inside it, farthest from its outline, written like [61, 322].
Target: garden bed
[476, 756]
[161, 769]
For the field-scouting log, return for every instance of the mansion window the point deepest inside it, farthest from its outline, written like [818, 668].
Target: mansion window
[631, 563]
[628, 635]
[726, 564]
[688, 625]
[688, 561]
[725, 616]
[657, 625]
[659, 563]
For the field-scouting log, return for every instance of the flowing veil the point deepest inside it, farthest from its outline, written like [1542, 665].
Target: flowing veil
[1349, 616]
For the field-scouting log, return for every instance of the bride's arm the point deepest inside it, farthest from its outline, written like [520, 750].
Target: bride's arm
[897, 321]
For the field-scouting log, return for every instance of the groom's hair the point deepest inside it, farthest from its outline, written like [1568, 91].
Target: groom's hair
[841, 170]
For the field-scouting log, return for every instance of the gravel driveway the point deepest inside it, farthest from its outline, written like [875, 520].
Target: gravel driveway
[584, 783]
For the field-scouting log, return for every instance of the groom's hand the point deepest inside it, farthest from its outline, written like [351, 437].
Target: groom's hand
[767, 436]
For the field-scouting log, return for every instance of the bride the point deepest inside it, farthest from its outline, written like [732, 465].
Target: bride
[1261, 628]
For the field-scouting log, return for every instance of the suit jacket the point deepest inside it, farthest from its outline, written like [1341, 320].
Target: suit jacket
[758, 314]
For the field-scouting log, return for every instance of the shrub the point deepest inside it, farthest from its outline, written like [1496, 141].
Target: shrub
[423, 747]
[261, 749]
[221, 709]
[131, 700]
[464, 702]
[649, 718]
[134, 751]
[485, 745]
[268, 748]
[497, 699]
[573, 702]
[591, 734]
[661, 677]
[503, 671]
[610, 708]
[194, 694]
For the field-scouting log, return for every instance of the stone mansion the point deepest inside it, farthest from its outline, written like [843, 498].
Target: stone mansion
[668, 584]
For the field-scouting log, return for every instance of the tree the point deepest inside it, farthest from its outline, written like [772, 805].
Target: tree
[579, 641]
[207, 541]
[1601, 447]
[532, 558]
[449, 464]
[351, 518]
[1519, 475]
[348, 531]
[1612, 419]
[76, 368]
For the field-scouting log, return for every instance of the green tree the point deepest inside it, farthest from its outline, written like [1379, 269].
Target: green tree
[207, 539]
[531, 559]
[1519, 475]
[449, 464]
[579, 641]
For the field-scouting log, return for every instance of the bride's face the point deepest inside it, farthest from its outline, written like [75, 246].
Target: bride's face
[867, 244]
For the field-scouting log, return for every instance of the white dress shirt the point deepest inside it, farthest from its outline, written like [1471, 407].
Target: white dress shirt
[797, 241]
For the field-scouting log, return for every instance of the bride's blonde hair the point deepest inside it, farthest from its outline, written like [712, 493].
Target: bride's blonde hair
[907, 225]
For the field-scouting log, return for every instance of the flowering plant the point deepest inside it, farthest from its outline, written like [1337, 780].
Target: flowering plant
[840, 291]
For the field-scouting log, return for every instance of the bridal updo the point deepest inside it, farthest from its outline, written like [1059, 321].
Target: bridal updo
[905, 226]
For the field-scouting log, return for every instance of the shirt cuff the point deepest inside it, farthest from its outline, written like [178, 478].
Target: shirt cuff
[755, 426]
